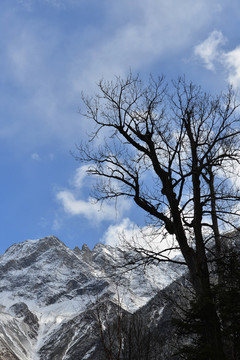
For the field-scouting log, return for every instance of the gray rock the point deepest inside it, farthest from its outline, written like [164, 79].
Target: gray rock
[50, 296]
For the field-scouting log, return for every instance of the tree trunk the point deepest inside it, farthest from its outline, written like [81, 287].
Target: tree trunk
[198, 269]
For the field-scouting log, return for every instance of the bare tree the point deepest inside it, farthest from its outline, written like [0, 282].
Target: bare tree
[124, 336]
[167, 150]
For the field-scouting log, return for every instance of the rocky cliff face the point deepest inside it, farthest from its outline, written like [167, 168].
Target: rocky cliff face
[49, 295]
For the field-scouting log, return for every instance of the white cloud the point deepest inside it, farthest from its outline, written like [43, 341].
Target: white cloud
[80, 175]
[211, 52]
[94, 211]
[208, 50]
[89, 209]
[114, 233]
[231, 61]
[126, 233]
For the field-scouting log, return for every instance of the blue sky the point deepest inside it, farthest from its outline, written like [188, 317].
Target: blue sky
[51, 50]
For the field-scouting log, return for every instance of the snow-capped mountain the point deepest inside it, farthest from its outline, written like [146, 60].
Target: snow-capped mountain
[48, 297]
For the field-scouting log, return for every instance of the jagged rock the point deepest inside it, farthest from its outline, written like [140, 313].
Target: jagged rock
[48, 297]
[21, 310]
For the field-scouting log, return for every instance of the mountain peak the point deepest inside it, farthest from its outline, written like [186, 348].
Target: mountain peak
[85, 248]
[29, 247]
[48, 290]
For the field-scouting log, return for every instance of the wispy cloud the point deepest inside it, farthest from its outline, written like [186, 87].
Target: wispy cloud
[60, 4]
[50, 64]
[211, 52]
[146, 34]
[80, 176]
[35, 156]
[231, 61]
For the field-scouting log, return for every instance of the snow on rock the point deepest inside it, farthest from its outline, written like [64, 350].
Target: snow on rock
[48, 293]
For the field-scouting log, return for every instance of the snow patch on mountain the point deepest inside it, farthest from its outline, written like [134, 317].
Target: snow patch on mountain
[46, 288]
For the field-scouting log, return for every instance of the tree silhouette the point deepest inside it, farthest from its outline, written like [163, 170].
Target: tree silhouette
[169, 150]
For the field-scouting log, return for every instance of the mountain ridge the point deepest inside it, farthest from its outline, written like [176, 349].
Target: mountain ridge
[48, 290]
